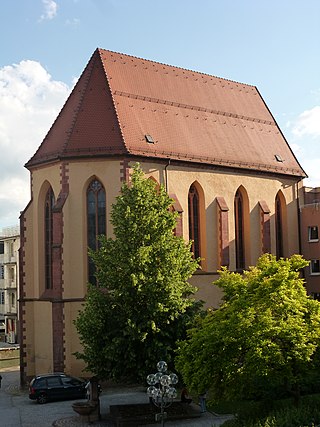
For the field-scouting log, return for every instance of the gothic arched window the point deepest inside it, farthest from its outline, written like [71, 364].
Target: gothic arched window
[194, 220]
[48, 233]
[96, 220]
[239, 230]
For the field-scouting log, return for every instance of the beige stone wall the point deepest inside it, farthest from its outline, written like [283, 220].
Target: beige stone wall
[38, 337]
[42, 178]
[74, 213]
[72, 344]
[211, 184]
[208, 293]
[258, 187]
[37, 323]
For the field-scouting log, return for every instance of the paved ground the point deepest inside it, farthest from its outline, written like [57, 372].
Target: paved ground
[17, 410]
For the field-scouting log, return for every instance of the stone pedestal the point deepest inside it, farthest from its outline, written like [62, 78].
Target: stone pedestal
[94, 400]
[90, 410]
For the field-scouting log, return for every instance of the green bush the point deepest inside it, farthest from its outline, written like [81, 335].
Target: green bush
[306, 415]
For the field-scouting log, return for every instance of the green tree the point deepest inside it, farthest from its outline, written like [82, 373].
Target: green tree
[263, 339]
[142, 302]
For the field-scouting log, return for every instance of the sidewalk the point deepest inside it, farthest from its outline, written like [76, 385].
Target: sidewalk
[18, 411]
[127, 396]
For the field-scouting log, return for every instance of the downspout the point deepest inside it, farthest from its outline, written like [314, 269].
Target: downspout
[303, 273]
[299, 220]
[166, 174]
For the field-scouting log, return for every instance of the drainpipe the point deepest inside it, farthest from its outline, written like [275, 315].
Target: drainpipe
[299, 213]
[166, 174]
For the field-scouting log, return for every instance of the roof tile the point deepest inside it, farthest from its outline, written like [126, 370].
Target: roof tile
[190, 116]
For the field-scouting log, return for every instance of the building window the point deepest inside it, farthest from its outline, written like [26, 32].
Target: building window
[1, 271]
[279, 227]
[239, 230]
[49, 203]
[2, 297]
[96, 220]
[313, 233]
[1, 248]
[11, 274]
[315, 266]
[194, 220]
[13, 300]
[316, 296]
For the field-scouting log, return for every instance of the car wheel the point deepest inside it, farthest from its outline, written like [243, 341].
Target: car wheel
[42, 398]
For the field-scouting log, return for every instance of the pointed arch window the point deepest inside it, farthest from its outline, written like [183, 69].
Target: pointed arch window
[239, 230]
[48, 232]
[194, 220]
[279, 227]
[96, 220]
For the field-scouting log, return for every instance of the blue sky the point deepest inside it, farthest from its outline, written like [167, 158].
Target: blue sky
[45, 45]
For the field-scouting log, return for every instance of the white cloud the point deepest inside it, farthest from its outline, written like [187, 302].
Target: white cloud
[29, 103]
[305, 143]
[308, 123]
[50, 10]
[75, 22]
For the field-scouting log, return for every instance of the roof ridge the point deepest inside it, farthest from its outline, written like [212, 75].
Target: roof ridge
[177, 67]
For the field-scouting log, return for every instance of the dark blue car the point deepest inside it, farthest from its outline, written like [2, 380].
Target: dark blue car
[56, 386]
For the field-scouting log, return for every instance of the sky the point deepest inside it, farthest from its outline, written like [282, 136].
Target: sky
[46, 44]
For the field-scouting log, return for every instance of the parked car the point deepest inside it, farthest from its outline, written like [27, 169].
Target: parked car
[56, 386]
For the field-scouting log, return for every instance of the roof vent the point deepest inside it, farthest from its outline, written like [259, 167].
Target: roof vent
[278, 158]
[149, 139]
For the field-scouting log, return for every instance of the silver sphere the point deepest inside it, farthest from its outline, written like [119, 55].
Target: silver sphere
[158, 376]
[165, 380]
[151, 391]
[174, 378]
[151, 379]
[162, 366]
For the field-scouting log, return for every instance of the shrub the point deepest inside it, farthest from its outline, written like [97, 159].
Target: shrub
[306, 415]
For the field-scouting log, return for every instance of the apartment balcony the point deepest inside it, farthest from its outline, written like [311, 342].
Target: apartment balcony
[10, 309]
[9, 284]
[9, 259]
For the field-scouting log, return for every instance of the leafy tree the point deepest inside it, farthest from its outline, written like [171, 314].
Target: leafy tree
[264, 338]
[142, 302]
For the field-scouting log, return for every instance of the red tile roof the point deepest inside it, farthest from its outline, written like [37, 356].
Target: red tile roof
[190, 116]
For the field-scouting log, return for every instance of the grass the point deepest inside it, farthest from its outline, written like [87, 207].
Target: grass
[280, 413]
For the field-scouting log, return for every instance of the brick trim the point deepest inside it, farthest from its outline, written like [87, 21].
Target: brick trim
[265, 227]
[57, 306]
[124, 171]
[223, 231]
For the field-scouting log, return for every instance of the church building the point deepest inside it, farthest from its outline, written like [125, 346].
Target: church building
[213, 144]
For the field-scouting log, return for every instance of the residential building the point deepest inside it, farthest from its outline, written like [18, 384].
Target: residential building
[310, 244]
[212, 143]
[9, 283]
